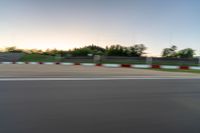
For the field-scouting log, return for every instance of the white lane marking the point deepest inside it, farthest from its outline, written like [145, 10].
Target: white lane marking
[93, 79]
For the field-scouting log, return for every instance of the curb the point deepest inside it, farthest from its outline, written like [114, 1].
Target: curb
[138, 66]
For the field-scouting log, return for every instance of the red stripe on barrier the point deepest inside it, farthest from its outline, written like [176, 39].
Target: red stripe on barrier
[98, 65]
[126, 65]
[77, 64]
[156, 66]
[57, 63]
[184, 67]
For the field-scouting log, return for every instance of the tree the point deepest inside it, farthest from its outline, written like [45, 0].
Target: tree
[81, 52]
[116, 50]
[170, 52]
[35, 51]
[136, 50]
[13, 49]
[95, 48]
[186, 53]
[53, 52]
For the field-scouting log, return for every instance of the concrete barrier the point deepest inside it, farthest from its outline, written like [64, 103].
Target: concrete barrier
[138, 66]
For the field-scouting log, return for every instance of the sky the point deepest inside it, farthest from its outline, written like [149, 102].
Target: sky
[65, 24]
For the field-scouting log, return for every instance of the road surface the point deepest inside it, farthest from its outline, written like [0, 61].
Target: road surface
[79, 71]
[100, 106]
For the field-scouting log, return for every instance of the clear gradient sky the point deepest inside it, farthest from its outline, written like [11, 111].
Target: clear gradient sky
[65, 24]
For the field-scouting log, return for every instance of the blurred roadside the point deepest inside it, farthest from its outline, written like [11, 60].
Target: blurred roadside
[80, 71]
[9, 57]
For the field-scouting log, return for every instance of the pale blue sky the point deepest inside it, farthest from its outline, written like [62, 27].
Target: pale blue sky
[64, 24]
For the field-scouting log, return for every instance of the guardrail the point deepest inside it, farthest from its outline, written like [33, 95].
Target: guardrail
[9, 57]
[136, 60]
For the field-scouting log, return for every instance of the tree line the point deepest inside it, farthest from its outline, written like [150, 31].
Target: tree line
[136, 50]
[174, 53]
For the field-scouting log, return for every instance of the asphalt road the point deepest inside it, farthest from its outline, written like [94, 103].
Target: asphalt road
[107, 106]
[80, 71]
